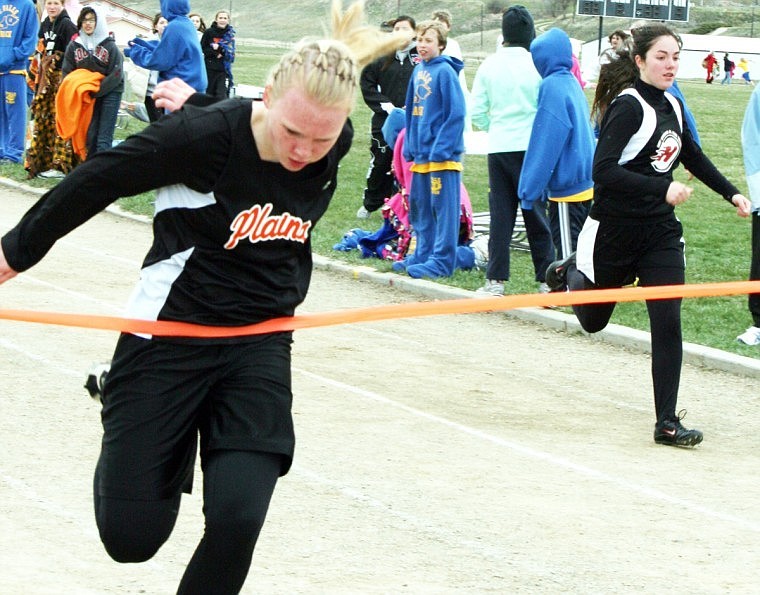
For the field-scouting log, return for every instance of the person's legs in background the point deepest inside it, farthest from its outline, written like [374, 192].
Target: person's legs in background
[103, 123]
[379, 176]
[13, 121]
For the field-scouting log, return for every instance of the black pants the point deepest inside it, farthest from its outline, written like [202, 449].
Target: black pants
[237, 488]
[612, 255]
[379, 176]
[503, 202]
[217, 84]
[754, 271]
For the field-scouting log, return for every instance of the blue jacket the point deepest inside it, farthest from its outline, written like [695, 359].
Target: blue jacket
[560, 152]
[688, 117]
[751, 148]
[435, 111]
[20, 25]
[178, 53]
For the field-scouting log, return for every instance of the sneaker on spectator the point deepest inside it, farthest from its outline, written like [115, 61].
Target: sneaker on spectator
[544, 288]
[750, 337]
[491, 289]
[52, 173]
[362, 213]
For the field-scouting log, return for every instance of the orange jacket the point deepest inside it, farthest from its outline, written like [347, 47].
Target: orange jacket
[74, 104]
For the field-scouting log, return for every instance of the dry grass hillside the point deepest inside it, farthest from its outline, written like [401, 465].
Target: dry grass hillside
[476, 23]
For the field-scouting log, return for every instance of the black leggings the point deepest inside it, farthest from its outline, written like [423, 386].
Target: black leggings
[665, 329]
[237, 488]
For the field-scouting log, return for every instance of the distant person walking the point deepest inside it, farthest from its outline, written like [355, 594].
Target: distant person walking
[709, 64]
[218, 45]
[743, 65]
[728, 70]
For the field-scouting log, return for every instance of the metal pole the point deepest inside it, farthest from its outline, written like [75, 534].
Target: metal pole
[566, 241]
[599, 44]
[481, 26]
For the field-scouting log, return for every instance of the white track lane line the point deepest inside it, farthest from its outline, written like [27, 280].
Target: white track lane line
[531, 453]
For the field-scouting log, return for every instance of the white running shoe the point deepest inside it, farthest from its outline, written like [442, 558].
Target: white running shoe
[52, 173]
[362, 213]
[491, 289]
[750, 337]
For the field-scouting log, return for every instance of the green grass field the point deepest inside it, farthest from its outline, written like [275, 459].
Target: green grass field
[717, 241]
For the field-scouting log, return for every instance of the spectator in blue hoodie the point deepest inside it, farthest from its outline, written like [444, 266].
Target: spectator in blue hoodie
[560, 152]
[435, 114]
[177, 54]
[504, 101]
[17, 43]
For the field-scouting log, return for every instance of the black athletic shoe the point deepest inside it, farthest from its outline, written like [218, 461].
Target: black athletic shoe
[556, 274]
[671, 433]
[96, 380]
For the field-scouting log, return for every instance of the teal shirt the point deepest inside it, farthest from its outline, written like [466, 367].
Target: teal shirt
[504, 99]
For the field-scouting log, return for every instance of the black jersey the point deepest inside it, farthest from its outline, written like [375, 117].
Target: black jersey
[641, 141]
[231, 232]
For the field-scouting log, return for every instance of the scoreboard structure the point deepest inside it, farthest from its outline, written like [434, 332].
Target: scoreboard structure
[658, 10]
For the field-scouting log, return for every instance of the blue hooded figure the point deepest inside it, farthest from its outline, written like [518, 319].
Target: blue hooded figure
[178, 53]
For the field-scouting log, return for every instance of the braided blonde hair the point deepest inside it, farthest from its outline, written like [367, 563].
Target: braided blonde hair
[328, 69]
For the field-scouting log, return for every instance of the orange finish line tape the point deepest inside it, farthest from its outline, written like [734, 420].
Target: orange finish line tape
[410, 310]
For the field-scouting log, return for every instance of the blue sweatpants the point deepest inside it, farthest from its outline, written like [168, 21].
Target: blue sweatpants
[13, 116]
[434, 214]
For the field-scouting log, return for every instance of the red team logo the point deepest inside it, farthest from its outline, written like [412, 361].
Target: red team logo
[257, 225]
[668, 150]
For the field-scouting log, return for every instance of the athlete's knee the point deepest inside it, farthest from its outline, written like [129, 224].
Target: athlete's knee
[128, 550]
[592, 317]
[133, 532]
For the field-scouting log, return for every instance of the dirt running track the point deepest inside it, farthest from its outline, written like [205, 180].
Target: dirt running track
[470, 454]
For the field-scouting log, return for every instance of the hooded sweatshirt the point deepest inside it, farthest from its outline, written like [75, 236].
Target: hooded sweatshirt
[57, 34]
[178, 52]
[435, 112]
[503, 99]
[386, 80]
[560, 153]
[19, 35]
[751, 146]
[98, 53]
[222, 58]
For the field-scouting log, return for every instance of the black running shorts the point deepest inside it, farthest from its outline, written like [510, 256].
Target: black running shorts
[160, 396]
